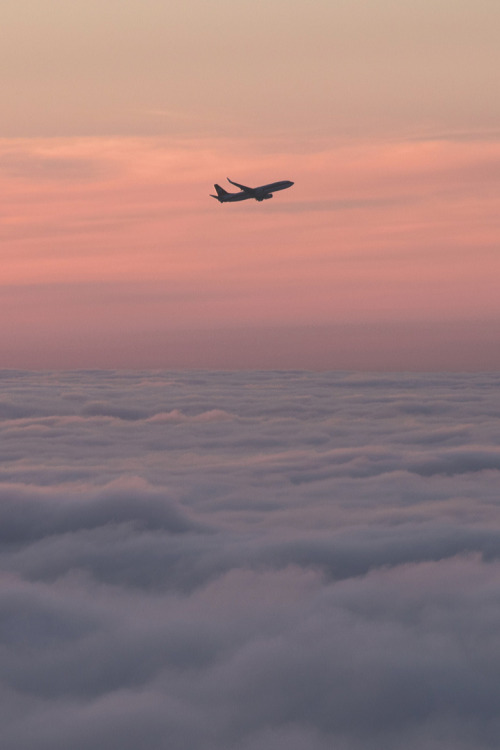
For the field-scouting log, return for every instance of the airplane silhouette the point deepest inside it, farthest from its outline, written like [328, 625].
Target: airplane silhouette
[262, 193]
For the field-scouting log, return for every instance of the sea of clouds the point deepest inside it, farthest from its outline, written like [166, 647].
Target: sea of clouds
[259, 560]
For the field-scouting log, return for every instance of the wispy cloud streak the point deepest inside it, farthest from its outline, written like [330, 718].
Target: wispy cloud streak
[121, 233]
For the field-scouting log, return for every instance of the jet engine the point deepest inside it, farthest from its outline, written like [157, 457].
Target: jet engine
[265, 197]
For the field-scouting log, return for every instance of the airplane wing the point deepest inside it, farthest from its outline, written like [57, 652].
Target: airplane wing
[241, 187]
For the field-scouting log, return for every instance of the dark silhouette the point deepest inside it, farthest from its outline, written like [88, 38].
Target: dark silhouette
[262, 193]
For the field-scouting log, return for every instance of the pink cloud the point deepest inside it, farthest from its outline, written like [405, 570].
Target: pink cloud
[122, 234]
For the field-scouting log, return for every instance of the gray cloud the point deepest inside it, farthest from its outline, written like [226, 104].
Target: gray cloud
[255, 560]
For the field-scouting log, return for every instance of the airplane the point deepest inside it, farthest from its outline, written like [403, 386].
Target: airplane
[262, 193]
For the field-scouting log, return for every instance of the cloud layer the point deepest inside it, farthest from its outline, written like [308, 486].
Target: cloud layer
[254, 560]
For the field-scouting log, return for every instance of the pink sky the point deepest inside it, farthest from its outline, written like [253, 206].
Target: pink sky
[384, 254]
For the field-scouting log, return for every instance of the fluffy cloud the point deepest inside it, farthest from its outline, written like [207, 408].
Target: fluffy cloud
[254, 560]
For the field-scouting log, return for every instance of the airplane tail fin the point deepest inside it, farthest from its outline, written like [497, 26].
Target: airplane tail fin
[220, 193]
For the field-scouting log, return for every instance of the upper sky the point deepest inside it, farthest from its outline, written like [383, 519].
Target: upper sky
[118, 117]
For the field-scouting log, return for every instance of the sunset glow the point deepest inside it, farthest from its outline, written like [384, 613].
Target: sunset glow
[250, 447]
[110, 238]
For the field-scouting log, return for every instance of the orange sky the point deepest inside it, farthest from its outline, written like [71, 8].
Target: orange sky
[113, 254]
